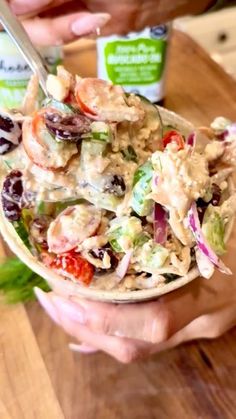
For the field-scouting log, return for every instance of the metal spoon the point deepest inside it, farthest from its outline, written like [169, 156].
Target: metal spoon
[19, 36]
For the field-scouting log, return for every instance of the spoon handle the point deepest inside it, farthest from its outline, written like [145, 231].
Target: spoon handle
[19, 36]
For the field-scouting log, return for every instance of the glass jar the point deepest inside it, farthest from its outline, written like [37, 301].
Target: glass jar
[136, 61]
[15, 72]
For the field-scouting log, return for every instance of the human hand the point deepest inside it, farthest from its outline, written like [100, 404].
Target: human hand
[61, 21]
[201, 309]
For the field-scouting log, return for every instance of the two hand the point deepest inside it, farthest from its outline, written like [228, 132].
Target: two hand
[201, 309]
[62, 21]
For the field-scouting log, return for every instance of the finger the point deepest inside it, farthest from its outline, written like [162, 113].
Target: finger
[124, 350]
[82, 348]
[127, 350]
[26, 6]
[63, 29]
[155, 321]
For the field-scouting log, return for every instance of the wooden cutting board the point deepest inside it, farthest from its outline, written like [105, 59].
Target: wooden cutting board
[41, 379]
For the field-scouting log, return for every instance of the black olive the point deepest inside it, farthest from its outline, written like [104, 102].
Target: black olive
[5, 146]
[10, 134]
[115, 185]
[67, 128]
[6, 124]
[12, 193]
[99, 254]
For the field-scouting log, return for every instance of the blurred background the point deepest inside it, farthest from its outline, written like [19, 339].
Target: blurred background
[216, 32]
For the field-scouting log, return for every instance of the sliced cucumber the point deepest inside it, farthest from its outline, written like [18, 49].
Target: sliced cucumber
[100, 131]
[141, 239]
[145, 170]
[124, 232]
[152, 256]
[60, 106]
[141, 188]
[22, 232]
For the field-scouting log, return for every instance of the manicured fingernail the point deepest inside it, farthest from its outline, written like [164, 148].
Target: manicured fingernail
[74, 311]
[47, 304]
[83, 348]
[89, 22]
[25, 6]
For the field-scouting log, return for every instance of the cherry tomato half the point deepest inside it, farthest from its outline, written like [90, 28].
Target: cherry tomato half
[73, 266]
[173, 137]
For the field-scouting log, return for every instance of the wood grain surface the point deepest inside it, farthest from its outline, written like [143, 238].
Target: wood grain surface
[41, 378]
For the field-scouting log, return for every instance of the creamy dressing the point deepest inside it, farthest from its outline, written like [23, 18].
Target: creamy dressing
[76, 180]
[181, 177]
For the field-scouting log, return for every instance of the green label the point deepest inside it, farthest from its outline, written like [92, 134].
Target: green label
[13, 87]
[139, 61]
[12, 84]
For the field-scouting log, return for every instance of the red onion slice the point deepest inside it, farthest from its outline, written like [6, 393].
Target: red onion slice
[191, 140]
[205, 267]
[123, 266]
[160, 224]
[202, 244]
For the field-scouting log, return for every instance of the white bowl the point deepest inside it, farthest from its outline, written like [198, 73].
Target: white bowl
[67, 287]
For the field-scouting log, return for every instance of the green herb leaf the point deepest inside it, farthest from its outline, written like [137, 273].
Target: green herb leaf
[130, 154]
[7, 164]
[17, 281]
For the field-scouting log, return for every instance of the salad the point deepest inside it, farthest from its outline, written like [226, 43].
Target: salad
[105, 195]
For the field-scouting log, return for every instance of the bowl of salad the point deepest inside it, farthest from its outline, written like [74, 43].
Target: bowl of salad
[111, 198]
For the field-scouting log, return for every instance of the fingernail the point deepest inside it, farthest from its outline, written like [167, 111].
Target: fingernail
[83, 348]
[74, 311]
[89, 22]
[47, 304]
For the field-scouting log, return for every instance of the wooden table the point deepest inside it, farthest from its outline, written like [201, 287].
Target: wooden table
[40, 378]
